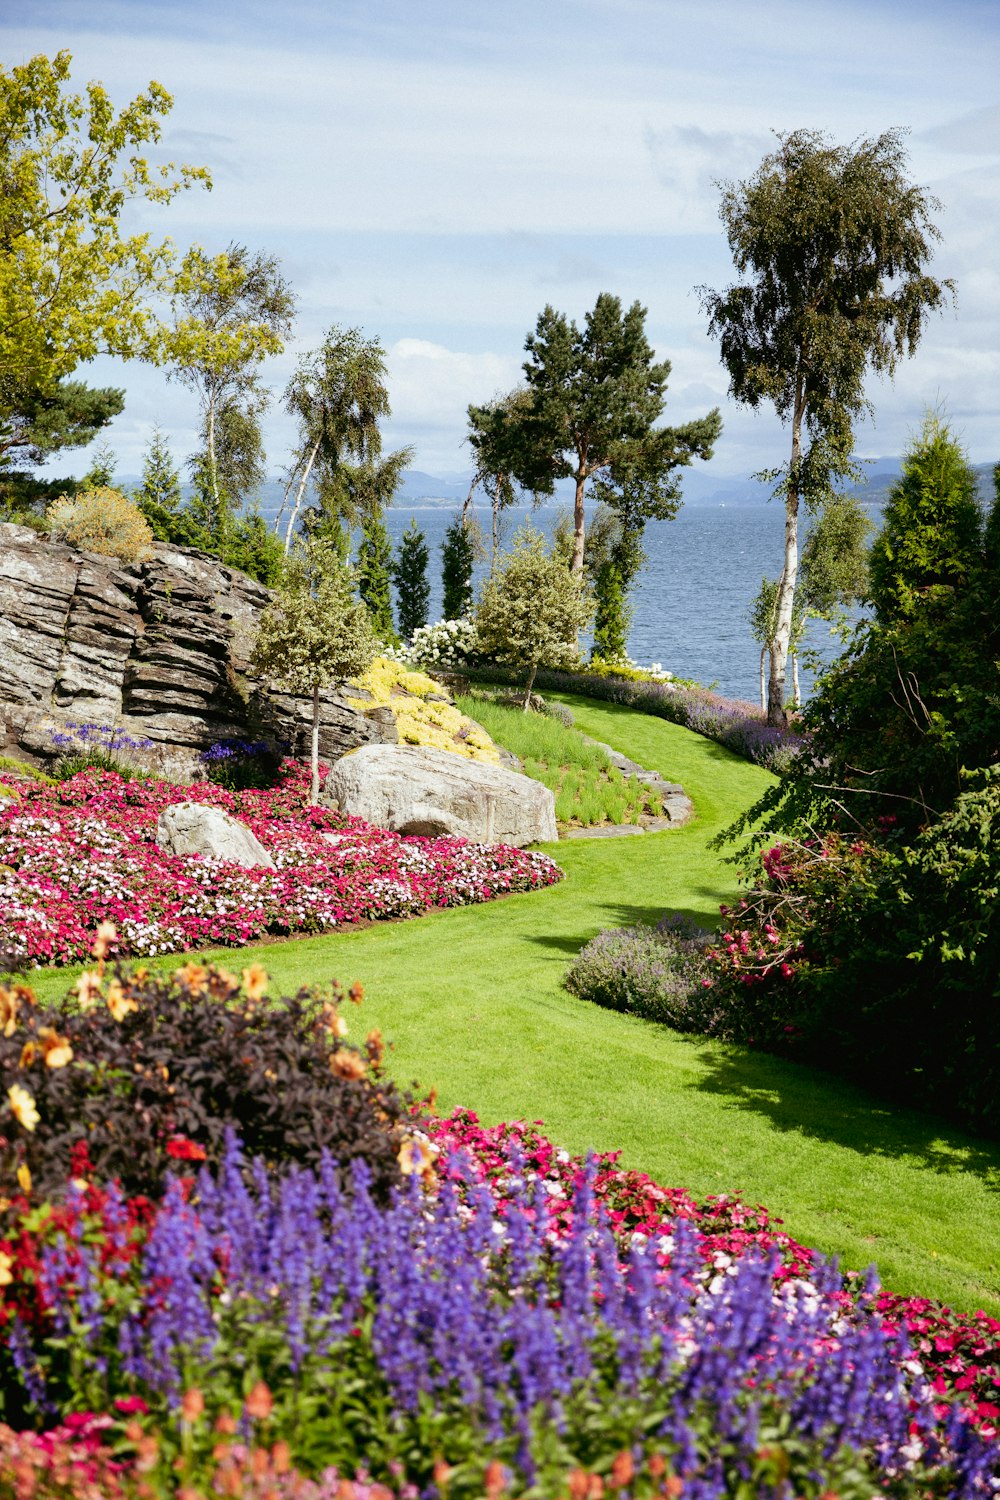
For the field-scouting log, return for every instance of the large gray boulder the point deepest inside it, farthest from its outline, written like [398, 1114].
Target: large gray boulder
[418, 790]
[193, 828]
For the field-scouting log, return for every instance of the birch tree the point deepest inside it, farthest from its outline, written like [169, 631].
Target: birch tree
[231, 311]
[833, 244]
[338, 395]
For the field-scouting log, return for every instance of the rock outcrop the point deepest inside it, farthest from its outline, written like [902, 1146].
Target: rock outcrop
[418, 790]
[160, 648]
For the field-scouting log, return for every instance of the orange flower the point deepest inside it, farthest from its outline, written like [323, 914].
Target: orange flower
[28, 1054]
[9, 1008]
[105, 935]
[225, 1423]
[260, 1403]
[356, 993]
[119, 1003]
[347, 1064]
[281, 1457]
[255, 982]
[622, 1469]
[56, 1048]
[375, 1045]
[192, 1405]
[494, 1480]
[416, 1155]
[193, 975]
[24, 1177]
[88, 988]
[22, 1107]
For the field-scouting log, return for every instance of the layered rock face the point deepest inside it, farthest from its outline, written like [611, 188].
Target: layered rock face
[160, 648]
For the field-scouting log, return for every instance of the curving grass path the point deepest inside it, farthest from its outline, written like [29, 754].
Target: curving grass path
[472, 1000]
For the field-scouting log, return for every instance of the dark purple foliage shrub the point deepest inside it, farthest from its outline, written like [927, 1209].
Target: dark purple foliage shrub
[148, 1069]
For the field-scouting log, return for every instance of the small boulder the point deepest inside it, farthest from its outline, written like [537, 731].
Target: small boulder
[415, 789]
[193, 828]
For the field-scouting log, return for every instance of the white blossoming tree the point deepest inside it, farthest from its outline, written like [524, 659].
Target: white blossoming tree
[315, 631]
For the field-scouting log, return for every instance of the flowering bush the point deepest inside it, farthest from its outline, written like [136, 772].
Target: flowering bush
[448, 643]
[241, 764]
[454, 1329]
[422, 713]
[145, 1071]
[96, 746]
[85, 852]
[102, 520]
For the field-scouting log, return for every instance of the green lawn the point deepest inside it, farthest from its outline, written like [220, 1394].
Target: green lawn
[473, 1002]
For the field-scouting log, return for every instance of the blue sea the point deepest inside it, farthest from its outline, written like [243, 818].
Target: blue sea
[692, 599]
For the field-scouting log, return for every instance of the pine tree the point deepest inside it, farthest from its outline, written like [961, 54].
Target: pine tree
[613, 615]
[409, 574]
[375, 576]
[457, 558]
[159, 497]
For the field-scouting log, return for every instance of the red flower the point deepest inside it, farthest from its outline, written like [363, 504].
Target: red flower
[181, 1149]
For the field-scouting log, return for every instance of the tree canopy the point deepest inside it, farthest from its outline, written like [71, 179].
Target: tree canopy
[231, 311]
[337, 394]
[72, 283]
[593, 396]
[833, 244]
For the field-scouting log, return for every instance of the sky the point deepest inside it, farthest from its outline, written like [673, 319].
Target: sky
[435, 172]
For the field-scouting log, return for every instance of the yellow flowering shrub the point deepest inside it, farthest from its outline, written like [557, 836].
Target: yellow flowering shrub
[102, 520]
[419, 721]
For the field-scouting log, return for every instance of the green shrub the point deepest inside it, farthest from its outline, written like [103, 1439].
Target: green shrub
[146, 1071]
[102, 520]
[880, 960]
[661, 974]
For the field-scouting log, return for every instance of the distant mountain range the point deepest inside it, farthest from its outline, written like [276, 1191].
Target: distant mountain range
[420, 491]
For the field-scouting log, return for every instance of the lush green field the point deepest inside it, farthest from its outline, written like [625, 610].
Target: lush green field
[473, 1002]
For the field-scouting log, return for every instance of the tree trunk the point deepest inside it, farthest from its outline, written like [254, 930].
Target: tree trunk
[531, 683]
[496, 527]
[299, 493]
[796, 693]
[579, 523]
[779, 644]
[314, 749]
[213, 471]
[763, 680]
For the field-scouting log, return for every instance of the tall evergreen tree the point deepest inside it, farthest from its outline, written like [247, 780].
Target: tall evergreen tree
[374, 570]
[409, 574]
[458, 554]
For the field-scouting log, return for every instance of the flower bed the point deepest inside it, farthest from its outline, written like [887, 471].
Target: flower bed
[463, 1325]
[85, 851]
[466, 1311]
